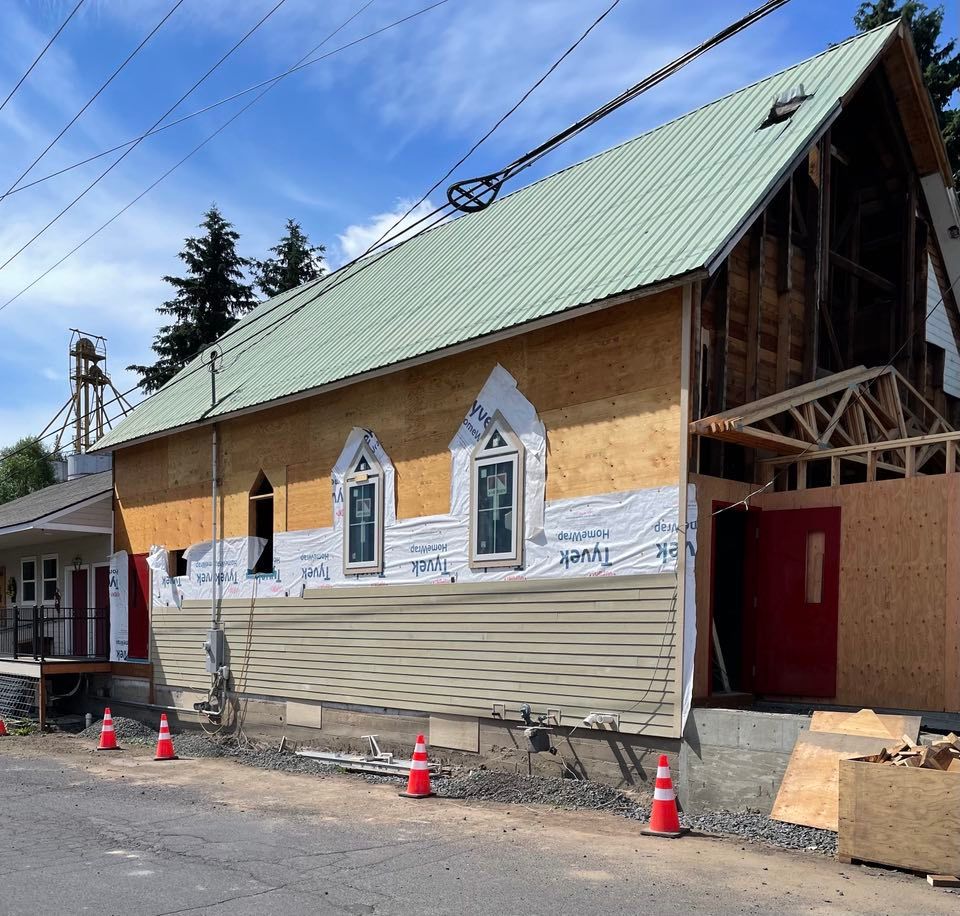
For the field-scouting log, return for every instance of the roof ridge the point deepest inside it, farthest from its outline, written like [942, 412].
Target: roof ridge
[722, 98]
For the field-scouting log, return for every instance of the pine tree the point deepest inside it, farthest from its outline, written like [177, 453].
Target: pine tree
[25, 466]
[209, 300]
[295, 262]
[940, 62]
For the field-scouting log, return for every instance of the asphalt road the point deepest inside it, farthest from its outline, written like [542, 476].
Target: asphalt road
[119, 834]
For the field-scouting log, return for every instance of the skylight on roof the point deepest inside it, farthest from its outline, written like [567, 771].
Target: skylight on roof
[785, 105]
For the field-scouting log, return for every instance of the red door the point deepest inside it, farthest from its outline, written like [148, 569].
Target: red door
[139, 620]
[101, 601]
[798, 590]
[78, 601]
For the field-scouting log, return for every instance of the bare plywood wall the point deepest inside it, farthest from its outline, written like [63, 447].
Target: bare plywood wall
[899, 615]
[606, 385]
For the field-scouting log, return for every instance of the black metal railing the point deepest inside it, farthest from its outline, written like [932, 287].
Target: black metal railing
[50, 632]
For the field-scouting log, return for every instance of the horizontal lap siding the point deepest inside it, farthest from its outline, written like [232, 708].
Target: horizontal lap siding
[605, 644]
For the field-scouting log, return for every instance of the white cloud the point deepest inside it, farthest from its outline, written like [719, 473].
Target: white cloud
[358, 237]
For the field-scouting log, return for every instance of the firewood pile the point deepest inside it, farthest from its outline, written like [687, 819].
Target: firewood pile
[943, 754]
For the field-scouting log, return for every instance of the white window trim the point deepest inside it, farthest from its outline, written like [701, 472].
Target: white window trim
[55, 579]
[350, 480]
[512, 451]
[21, 600]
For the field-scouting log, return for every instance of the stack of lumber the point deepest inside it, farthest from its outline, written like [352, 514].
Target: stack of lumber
[943, 754]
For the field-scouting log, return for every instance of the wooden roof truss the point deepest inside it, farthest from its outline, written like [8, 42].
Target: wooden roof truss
[874, 416]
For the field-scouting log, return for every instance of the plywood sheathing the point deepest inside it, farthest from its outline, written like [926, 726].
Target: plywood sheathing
[606, 385]
[866, 724]
[899, 609]
[809, 792]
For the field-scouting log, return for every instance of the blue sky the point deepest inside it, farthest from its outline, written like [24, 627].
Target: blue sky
[339, 146]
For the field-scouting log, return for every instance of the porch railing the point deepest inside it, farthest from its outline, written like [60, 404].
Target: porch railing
[46, 633]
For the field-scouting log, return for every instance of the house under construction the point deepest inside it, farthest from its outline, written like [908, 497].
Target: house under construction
[677, 424]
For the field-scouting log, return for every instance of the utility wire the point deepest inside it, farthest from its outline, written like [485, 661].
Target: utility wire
[391, 236]
[36, 60]
[211, 136]
[93, 98]
[302, 64]
[363, 262]
[476, 194]
[498, 122]
[139, 140]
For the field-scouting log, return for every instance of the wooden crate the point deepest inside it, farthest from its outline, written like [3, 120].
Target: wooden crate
[900, 816]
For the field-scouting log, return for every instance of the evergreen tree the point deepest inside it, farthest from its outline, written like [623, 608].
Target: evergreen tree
[209, 300]
[294, 263]
[940, 62]
[25, 467]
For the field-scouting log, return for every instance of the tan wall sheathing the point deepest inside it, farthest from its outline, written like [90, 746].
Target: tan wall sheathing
[899, 613]
[606, 385]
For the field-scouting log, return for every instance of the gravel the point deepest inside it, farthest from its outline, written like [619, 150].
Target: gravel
[512, 788]
[488, 785]
[758, 828]
[129, 731]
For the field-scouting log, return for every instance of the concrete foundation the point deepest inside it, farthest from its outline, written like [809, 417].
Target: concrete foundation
[735, 758]
[608, 757]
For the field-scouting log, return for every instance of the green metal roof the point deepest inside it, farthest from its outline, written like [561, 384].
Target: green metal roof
[658, 207]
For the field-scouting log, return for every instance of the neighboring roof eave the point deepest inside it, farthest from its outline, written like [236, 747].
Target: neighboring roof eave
[39, 521]
[433, 356]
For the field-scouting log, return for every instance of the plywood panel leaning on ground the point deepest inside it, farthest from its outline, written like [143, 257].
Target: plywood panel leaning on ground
[580, 646]
[613, 424]
[809, 791]
[867, 724]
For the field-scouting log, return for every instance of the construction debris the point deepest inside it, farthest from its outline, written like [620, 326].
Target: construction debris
[943, 754]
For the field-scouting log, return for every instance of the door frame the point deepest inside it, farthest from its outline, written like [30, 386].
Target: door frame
[68, 590]
[748, 635]
[93, 601]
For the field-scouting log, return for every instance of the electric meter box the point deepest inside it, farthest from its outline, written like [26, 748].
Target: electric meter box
[215, 650]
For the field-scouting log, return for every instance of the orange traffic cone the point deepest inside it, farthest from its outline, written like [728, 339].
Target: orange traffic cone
[165, 749]
[3, 728]
[418, 785]
[664, 820]
[108, 735]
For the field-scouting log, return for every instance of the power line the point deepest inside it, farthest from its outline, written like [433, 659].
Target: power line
[139, 140]
[364, 261]
[499, 121]
[324, 283]
[36, 60]
[93, 98]
[211, 136]
[302, 64]
[475, 194]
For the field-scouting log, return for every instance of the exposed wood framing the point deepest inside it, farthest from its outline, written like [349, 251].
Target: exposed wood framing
[757, 242]
[862, 273]
[784, 288]
[852, 409]
[814, 223]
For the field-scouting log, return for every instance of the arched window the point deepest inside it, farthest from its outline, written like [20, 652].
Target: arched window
[496, 497]
[363, 515]
[261, 522]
